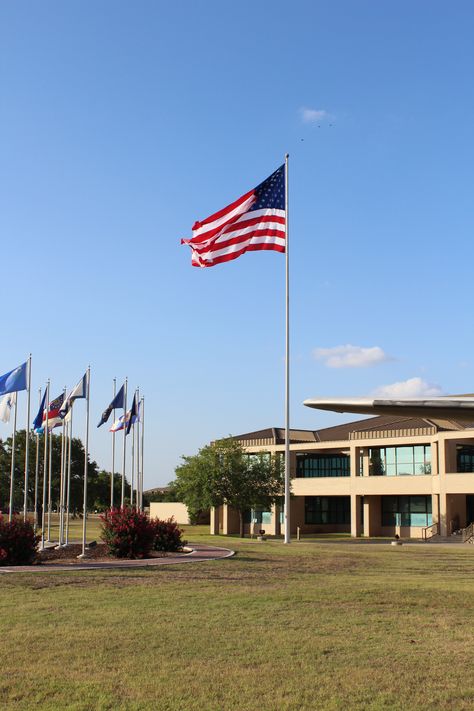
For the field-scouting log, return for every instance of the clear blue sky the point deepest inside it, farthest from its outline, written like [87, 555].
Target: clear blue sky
[122, 123]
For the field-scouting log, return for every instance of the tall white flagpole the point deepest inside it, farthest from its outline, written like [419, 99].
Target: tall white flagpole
[86, 456]
[287, 359]
[124, 442]
[132, 477]
[113, 454]
[45, 464]
[27, 442]
[62, 470]
[12, 469]
[142, 417]
[50, 464]
[35, 520]
[68, 499]
[137, 427]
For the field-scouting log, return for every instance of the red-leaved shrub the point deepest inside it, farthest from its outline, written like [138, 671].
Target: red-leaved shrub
[127, 533]
[18, 542]
[167, 535]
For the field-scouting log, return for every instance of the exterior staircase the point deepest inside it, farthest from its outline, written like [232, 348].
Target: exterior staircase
[431, 534]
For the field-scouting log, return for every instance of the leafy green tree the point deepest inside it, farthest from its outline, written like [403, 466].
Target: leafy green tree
[98, 486]
[223, 473]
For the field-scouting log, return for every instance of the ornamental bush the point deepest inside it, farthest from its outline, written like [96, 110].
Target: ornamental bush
[127, 533]
[18, 542]
[167, 536]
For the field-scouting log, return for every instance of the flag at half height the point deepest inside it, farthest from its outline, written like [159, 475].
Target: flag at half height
[6, 406]
[80, 391]
[15, 380]
[54, 418]
[116, 404]
[256, 221]
[38, 421]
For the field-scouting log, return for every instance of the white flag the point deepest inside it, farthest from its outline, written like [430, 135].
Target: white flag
[6, 404]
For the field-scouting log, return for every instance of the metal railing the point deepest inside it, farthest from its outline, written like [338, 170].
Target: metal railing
[468, 533]
[429, 531]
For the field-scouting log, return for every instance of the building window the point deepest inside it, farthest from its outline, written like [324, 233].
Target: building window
[257, 516]
[400, 461]
[327, 509]
[322, 465]
[406, 511]
[465, 459]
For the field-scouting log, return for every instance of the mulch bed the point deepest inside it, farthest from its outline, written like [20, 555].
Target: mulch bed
[97, 554]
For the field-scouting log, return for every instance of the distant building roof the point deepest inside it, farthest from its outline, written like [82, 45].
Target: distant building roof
[389, 425]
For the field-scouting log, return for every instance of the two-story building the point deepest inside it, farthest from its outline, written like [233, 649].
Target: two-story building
[374, 477]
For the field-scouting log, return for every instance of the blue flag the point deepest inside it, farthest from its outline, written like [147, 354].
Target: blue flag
[116, 404]
[38, 421]
[14, 381]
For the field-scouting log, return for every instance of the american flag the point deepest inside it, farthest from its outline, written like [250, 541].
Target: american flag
[255, 221]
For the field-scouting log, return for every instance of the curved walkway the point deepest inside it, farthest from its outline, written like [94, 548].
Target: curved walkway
[198, 553]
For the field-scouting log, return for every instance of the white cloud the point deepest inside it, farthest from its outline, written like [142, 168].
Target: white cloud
[351, 356]
[313, 115]
[413, 387]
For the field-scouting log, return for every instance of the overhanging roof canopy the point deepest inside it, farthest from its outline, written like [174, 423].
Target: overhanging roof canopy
[459, 407]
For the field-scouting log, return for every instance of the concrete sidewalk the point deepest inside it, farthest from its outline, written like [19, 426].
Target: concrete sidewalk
[198, 553]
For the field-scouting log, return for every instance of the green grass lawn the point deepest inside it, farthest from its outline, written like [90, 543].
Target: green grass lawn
[300, 627]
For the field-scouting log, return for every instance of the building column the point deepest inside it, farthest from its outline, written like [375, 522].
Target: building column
[443, 502]
[355, 516]
[225, 520]
[435, 512]
[230, 520]
[443, 514]
[276, 519]
[214, 521]
[372, 516]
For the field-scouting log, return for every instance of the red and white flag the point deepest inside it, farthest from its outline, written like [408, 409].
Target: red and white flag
[256, 221]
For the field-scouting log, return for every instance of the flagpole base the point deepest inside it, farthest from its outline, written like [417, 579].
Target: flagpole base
[81, 556]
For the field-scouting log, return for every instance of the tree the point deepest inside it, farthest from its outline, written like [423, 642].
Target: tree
[98, 487]
[223, 473]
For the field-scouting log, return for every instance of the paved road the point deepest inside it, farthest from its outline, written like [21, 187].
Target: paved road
[198, 554]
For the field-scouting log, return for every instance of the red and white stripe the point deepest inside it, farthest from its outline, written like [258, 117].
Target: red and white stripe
[234, 230]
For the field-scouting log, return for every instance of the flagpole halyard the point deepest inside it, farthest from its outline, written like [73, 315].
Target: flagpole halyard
[12, 468]
[62, 475]
[50, 463]
[113, 453]
[124, 453]
[35, 519]
[45, 463]
[132, 473]
[86, 457]
[287, 359]
[68, 499]
[27, 442]
[142, 415]
[137, 445]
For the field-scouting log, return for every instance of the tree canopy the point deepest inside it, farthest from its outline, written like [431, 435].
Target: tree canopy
[223, 473]
[98, 481]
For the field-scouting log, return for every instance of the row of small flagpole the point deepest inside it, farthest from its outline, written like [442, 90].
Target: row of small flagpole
[22, 381]
[133, 421]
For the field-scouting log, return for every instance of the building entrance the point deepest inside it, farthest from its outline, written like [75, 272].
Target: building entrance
[469, 509]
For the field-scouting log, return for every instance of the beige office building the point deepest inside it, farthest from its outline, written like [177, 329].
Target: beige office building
[375, 477]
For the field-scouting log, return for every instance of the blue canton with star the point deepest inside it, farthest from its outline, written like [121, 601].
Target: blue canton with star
[271, 193]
